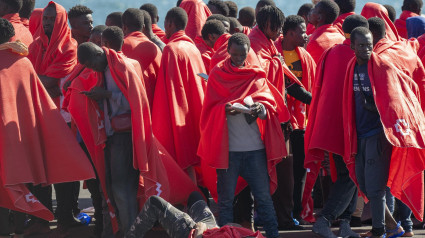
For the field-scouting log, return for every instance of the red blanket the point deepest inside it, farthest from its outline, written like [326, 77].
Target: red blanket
[371, 9]
[396, 97]
[197, 12]
[220, 48]
[36, 145]
[158, 31]
[400, 23]
[35, 21]
[310, 29]
[323, 38]
[138, 47]
[229, 84]
[206, 52]
[324, 130]
[230, 232]
[21, 31]
[246, 30]
[340, 20]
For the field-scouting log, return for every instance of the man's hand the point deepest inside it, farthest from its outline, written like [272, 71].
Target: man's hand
[48, 82]
[97, 93]
[229, 110]
[66, 85]
[54, 91]
[255, 109]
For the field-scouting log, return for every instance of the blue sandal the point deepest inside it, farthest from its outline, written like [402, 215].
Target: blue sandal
[394, 232]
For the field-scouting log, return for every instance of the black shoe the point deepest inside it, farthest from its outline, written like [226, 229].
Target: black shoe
[356, 221]
[291, 228]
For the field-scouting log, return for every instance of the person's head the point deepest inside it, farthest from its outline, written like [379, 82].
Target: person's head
[132, 20]
[294, 30]
[247, 16]
[114, 19]
[6, 30]
[175, 20]
[304, 10]
[9, 6]
[315, 1]
[96, 34]
[325, 12]
[113, 38]
[362, 44]
[211, 31]
[412, 6]
[223, 19]
[263, 3]
[352, 22]
[233, 8]
[235, 26]
[49, 18]
[152, 10]
[270, 20]
[391, 12]
[346, 6]
[27, 8]
[92, 56]
[147, 29]
[377, 27]
[218, 7]
[238, 48]
[81, 20]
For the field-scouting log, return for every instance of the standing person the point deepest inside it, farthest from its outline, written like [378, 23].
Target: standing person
[303, 12]
[303, 66]
[147, 31]
[153, 13]
[236, 147]
[346, 8]
[326, 34]
[138, 47]
[247, 17]
[377, 154]
[197, 14]
[37, 146]
[410, 8]
[176, 114]
[330, 76]
[9, 10]
[25, 12]
[372, 9]
[81, 21]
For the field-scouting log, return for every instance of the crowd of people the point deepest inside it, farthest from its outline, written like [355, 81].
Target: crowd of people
[269, 116]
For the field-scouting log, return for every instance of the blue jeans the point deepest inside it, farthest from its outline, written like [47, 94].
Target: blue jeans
[403, 212]
[252, 166]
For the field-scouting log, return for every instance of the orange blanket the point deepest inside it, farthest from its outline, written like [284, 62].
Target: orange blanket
[21, 31]
[35, 21]
[197, 12]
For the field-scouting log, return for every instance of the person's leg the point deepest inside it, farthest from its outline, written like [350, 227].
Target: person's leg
[4, 222]
[177, 224]
[243, 208]
[390, 200]
[19, 219]
[356, 217]
[199, 211]
[404, 214]
[125, 179]
[94, 189]
[254, 171]
[65, 196]
[75, 209]
[226, 185]
[297, 143]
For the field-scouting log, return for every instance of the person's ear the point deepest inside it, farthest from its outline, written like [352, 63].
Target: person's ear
[352, 45]
[157, 18]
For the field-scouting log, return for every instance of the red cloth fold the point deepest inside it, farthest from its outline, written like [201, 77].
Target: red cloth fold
[324, 130]
[138, 47]
[246, 30]
[179, 94]
[21, 31]
[323, 38]
[340, 20]
[371, 9]
[400, 23]
[197, 12]
[36, 145]
[206, 52]
[158, 31]
[229, 84]
[231, 232]
[310, 29]
[396, 96]
[35, 21]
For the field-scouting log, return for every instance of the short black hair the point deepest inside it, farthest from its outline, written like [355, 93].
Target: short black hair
[114, 36]
[86, 51]
[411, 5]
[221, 6]
[133, 19]
[98, 29]
[178, 16]
[14, 4]
[270, 14]
[391, 12]
[263, 3]
[151, 9]
[233, 8]
[218, 17]
[247, 16]
[27, 8]
[305, 9]
[6, 30]
[346, 6]
[234, 23]
[147, 19]
[212, 27]
[329, 9]
[178, 3]
[354, 21]
[78, 10]
[291, 23]
[239, 39]
[115, 17]
[377, 27]
[359, 31]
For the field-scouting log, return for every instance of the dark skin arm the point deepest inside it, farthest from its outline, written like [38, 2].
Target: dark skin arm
[97, 93]
[51, 85]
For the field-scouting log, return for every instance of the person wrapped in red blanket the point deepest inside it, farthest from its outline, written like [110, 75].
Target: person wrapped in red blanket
[197, 12]
[410, 9]
[9, 10]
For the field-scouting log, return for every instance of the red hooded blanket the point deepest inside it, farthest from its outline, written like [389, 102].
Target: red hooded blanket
[400, 23]
[206, 52]
[197, 12]
[371, 9]
[35, 21]
[229, 84]
[396, 96]
[323, 38]
[21, 31]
